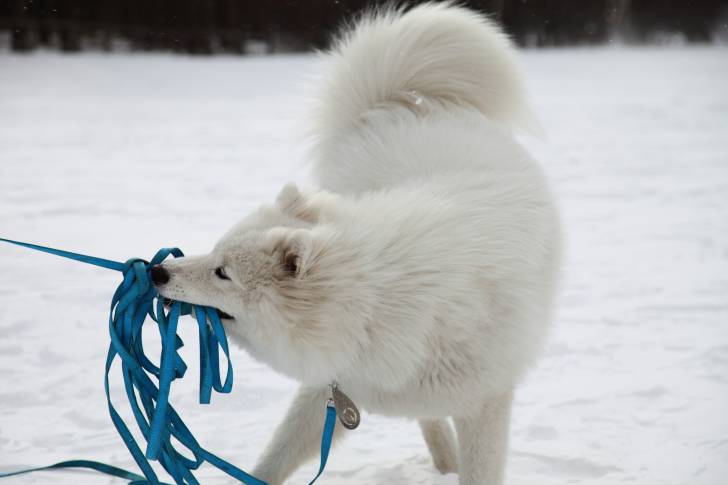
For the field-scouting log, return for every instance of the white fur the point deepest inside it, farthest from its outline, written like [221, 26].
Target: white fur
[420, 274]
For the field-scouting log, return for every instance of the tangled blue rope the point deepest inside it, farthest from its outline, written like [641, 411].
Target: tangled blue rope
[134, 300]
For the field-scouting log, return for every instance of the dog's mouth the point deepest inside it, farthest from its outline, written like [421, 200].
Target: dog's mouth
[221, 314]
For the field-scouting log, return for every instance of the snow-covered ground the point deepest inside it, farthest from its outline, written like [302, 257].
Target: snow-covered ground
[120, 155]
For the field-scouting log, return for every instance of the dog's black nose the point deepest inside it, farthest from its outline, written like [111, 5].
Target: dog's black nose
[160, 276]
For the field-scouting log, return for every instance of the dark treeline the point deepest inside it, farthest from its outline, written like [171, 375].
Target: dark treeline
[236, 26]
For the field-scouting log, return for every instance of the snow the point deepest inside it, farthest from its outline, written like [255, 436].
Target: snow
[119, 155]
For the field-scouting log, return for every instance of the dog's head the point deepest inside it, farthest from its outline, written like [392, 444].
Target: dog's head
[276, 280]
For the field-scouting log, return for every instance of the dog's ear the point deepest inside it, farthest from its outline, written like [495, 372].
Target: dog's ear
[296, 252]
[293, 202]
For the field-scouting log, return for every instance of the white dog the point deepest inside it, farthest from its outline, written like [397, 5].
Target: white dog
[420, 275]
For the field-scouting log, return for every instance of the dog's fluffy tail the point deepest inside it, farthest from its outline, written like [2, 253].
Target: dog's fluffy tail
[431, 55]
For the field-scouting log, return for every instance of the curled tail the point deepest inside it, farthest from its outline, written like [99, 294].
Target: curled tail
[433, 54]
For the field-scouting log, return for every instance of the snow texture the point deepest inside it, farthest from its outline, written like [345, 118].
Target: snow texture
[119, 155]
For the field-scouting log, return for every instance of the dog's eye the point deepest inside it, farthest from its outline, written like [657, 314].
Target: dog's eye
[220, 273]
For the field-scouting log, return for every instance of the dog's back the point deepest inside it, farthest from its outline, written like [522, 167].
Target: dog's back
[416, 120]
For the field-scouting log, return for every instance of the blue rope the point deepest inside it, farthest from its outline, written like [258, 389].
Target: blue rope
[93, 465]
[134, 300]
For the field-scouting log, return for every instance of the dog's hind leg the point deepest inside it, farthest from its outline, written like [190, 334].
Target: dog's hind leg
[483, 439]
[440, 441]
[298, 437]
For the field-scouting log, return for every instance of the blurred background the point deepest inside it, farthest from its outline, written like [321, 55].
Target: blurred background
[245, 26]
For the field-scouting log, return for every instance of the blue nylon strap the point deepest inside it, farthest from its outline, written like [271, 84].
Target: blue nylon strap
[93, 465]
[133, 301]
[104, 263]
[326, 439]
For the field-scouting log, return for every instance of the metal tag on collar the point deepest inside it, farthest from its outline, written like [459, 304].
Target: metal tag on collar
[346, 410]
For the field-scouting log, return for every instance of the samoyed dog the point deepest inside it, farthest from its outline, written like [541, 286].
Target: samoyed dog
[418, 275]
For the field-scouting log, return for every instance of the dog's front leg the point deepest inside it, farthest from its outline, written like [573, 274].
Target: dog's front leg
[483, 439]
[298, 437]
